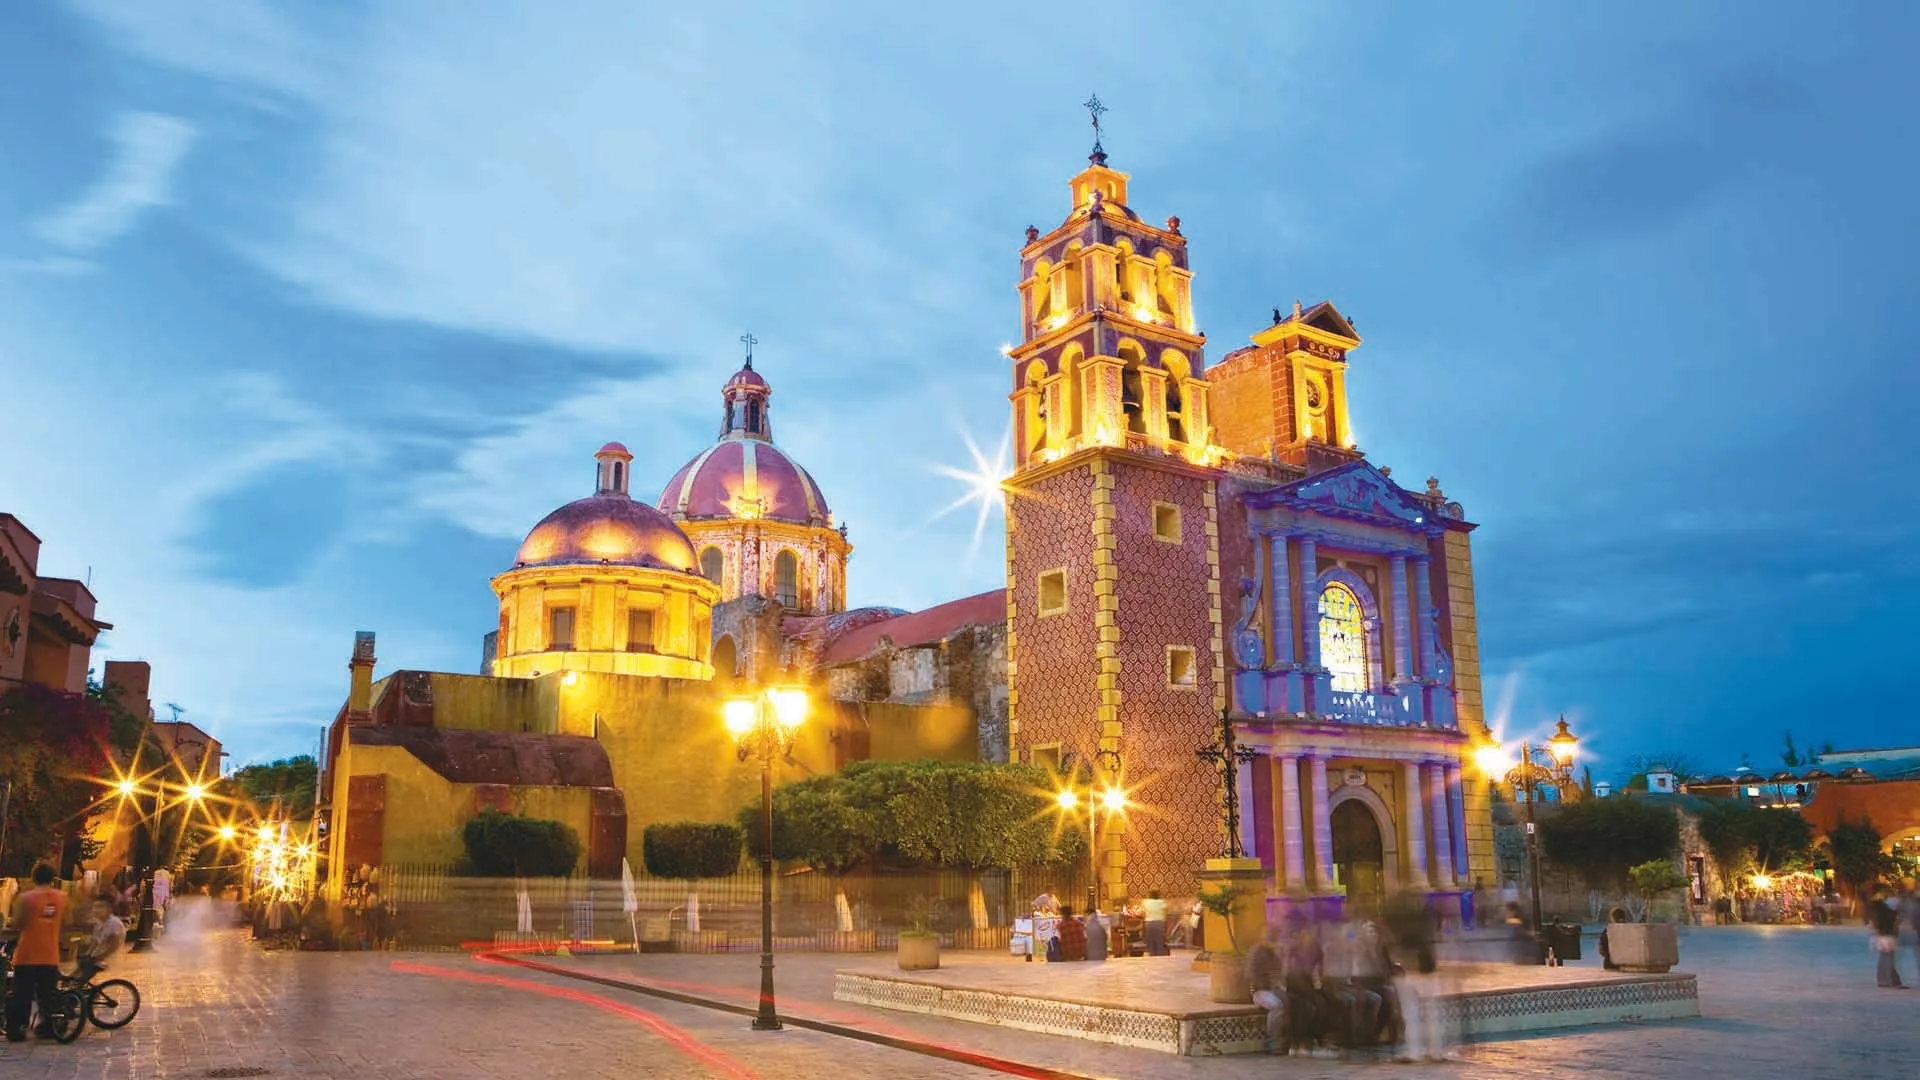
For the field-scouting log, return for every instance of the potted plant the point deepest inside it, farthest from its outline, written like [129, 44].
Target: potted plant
[1225, 974]
[1644, 946]
[919, 943]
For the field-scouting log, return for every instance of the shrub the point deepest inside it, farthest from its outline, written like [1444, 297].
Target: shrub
[508, 845]
[1601, 838]
[690, 850]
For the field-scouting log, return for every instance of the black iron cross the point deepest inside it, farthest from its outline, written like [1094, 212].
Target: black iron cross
[750, 341]
[1093, 106]
[1227, 756]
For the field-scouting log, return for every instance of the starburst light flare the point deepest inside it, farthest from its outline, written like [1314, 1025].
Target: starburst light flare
[983, 480]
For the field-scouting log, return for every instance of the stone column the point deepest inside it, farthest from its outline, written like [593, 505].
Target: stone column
[1281, 598]
[1322, 824]
[1294, 860]
[1414, 827]
[1423, 614]
[1457, 796]
[1310, 622]
[1402, 624]
[1442, 825]
[1244, 777]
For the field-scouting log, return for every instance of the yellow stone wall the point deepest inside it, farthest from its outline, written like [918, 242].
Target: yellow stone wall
[909, 732]
[1462, 615]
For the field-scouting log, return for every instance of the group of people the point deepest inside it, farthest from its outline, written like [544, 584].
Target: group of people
[36, 920]
[1354, 983]
[1095, 935]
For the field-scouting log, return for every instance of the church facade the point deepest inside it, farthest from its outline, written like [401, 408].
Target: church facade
[1190, 545]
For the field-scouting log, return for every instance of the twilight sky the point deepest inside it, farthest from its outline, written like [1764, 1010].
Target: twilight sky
[309, 311]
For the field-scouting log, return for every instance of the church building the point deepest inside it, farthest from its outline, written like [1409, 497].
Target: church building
[1187, 544]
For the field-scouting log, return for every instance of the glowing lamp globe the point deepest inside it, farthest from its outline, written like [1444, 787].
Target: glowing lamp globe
[126, 788]
[789, 705]
[1563, 743]
[1113, 799]
[1067, 800]
[740, 716]
[228, 832]
[1492, 760]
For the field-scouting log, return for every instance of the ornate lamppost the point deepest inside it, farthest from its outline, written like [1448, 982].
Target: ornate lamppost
[1228, 755]
[765, 725]
[1549, 765]
[1110, 797]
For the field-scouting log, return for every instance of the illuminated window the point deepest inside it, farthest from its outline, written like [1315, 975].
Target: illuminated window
[559, 629]
[712, 564]
[1166, 523]
[786, 580]
[1181, 670]
[1053, 592]
[639, 630]
[1343, 638]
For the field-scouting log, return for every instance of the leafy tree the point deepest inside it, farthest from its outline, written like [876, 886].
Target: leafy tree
[1790, 755]
[688, 851]
[830, 822]
[55, 754]
[1853, 848]
[1745, 839]
[509, 845]
[1601, 838]
[292, 783]
[1653, 877]
[973, 816]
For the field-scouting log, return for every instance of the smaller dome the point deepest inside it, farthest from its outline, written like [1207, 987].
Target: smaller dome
[612, 448]
[745, 378]
[607, 528]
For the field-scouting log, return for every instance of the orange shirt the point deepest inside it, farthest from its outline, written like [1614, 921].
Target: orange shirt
[42, 912]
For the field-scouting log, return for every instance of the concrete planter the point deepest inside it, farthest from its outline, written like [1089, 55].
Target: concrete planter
[1643, 947]
[1227, 980]
[919, 952]
[846, 941]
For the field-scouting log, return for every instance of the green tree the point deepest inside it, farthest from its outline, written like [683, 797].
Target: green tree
[1746, 839]
[1853, 849]
[289, 783]
[973, 816]
[830, 822]
[509, 845]
[1653, 877]
[54, 757]
[1601, 838]
[688, 851]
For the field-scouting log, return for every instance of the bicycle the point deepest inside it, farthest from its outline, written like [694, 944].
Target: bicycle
[62, 1012]
[110, 1004]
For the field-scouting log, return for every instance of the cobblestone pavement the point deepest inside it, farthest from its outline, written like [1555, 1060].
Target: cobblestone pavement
[1800, 1000]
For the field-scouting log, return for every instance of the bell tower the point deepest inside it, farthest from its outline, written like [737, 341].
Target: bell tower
[1113, 554]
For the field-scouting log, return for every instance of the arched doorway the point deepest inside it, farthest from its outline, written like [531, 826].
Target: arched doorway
[1359, 856]
[725, 664]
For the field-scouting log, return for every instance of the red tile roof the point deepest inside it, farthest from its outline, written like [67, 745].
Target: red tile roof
[921, 627]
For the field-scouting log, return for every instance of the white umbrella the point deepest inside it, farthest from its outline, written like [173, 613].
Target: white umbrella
[629, 900]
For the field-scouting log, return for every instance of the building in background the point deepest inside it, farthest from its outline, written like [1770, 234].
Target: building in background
[47, 624]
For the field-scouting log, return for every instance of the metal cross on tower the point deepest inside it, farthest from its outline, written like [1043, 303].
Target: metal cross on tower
[750, 342]
[1095, 109]
[1227, 756]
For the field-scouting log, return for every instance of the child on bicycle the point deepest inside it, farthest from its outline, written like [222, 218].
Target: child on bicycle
[109, 937]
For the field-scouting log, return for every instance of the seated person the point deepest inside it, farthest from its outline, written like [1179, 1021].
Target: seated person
[109, 937]
[1263, 971]
[1617, 915]
[1073, 936]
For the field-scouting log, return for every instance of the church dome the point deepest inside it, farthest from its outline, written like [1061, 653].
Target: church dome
[744, 475]
[608, 527]
[741, 477]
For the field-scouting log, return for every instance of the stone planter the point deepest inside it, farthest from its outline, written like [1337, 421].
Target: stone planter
[919, 952]
[854, 941]
[998, 938]
[706, 941]
[1643, 947]
[1227, 980]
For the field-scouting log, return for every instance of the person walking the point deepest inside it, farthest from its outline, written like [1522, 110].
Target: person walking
[1416, 988]
[1096, 936]
[1885, 920]
[1910, 916]
[38, 916]
[1154, 911]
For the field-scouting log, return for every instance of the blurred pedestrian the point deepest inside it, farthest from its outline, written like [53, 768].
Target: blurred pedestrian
[1264, 979]
[1884, 918]
[1416, 986]
[1154, 911]
[1096, 928]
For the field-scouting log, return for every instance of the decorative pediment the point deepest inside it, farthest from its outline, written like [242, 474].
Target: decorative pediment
[1324, 317]
[1359, 489]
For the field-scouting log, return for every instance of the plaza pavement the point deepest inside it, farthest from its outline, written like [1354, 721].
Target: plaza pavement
[1799, 1001]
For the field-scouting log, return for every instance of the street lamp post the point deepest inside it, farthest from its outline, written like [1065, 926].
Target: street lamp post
[1551, 764]
[766, 725]
[192, 794]
[1112, 797]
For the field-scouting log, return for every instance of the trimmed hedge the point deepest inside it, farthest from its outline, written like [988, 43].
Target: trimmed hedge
[508, 845]
[690, 850]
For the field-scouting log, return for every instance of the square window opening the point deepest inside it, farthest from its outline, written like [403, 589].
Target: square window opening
[1181, 670]
[1166, 523]
[639, 631]
[1053, 592]
[560, 629]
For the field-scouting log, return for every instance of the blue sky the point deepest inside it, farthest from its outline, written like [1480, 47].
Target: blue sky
[308, 312]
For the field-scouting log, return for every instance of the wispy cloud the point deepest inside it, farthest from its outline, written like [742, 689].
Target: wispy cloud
[148, 149]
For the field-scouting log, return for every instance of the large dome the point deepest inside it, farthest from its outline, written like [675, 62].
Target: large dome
[607, 528]
[741, 476]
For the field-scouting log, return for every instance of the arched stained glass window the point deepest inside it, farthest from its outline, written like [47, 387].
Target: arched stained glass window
[1343, 638]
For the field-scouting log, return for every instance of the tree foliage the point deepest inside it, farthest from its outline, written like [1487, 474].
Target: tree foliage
[1601, 838]
[55, 751]
[508, 845]
[1744, 839]
[1853, 848]
[1655, 876]
[831, 823]
[691, 850]
[971, 815]
[292, 783]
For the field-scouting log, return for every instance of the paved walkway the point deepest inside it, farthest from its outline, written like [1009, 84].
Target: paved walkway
[1799, 1001]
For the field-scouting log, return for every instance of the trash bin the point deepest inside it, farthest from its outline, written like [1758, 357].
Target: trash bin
[1564, 940]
